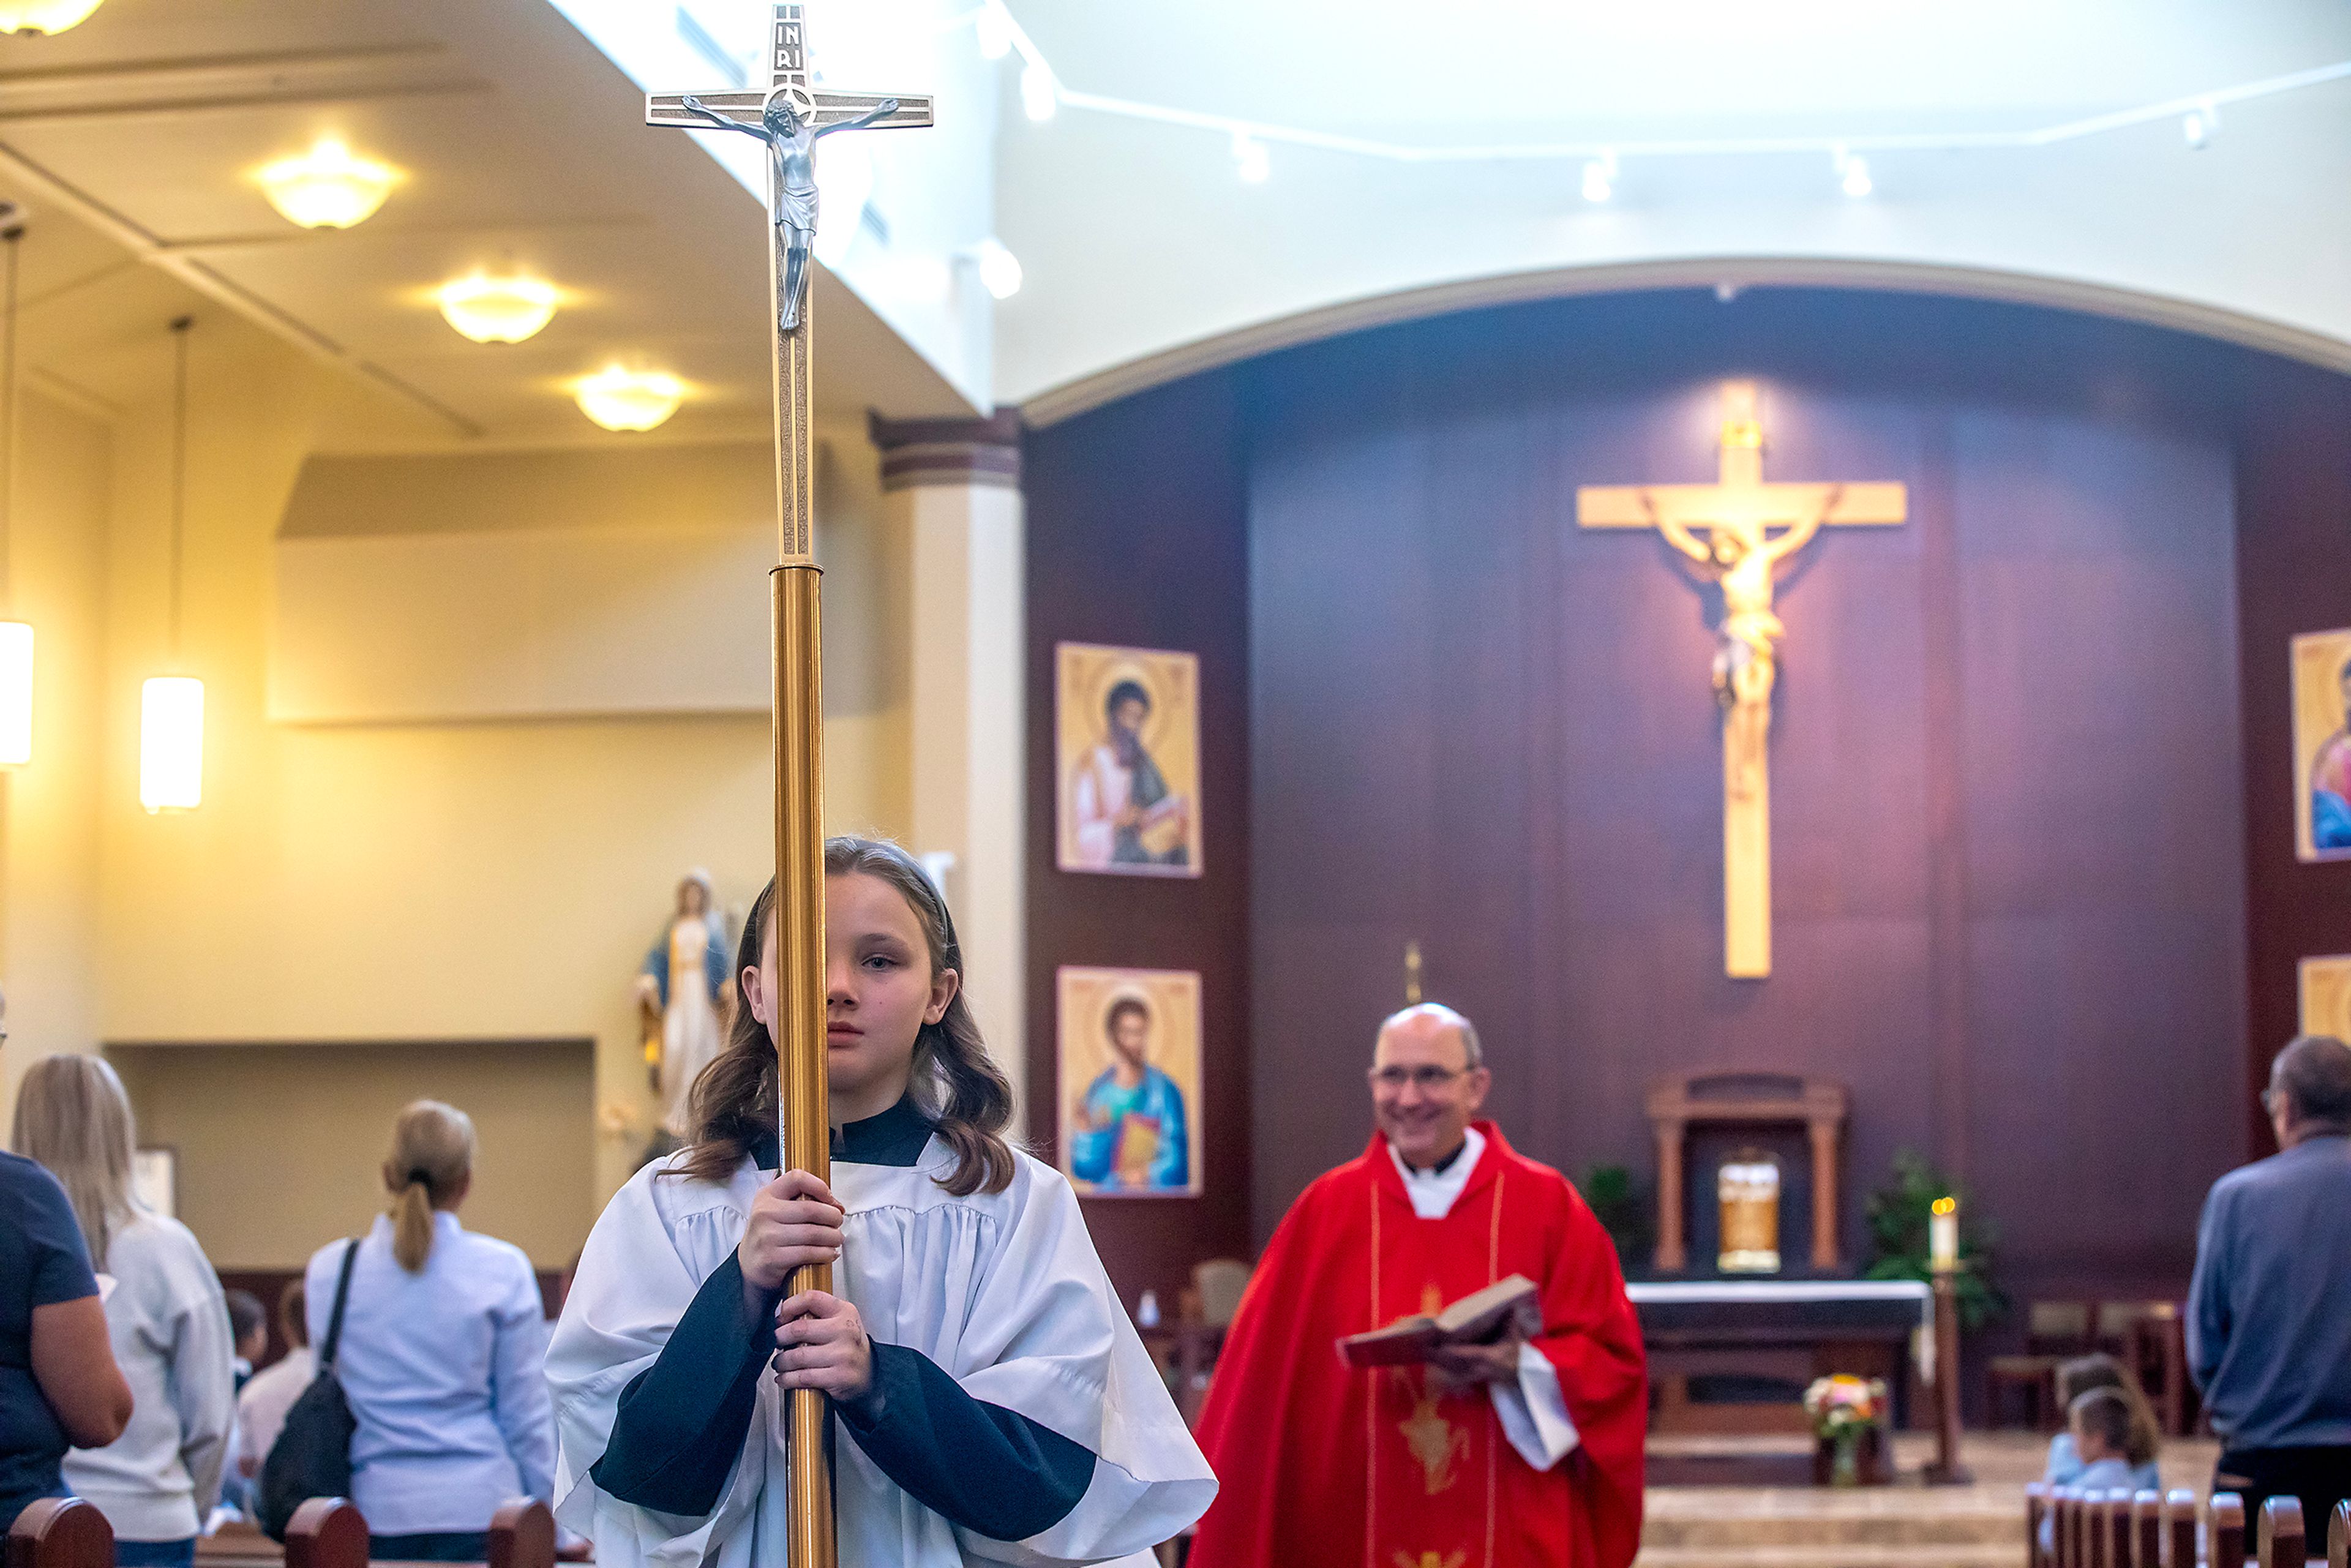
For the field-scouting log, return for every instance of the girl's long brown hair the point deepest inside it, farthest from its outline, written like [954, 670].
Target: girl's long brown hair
[733, 1105]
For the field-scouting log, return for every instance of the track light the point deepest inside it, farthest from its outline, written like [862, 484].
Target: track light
[1039, 96]
[995, 31]
[1251, 160]
[2199, 125]
[999, 269]
[1600, 178]
[1853, 173]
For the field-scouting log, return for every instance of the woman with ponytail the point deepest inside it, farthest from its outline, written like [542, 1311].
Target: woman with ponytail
[442, 1342]
[993, 1401]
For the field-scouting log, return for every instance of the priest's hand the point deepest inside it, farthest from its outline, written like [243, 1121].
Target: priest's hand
[1468, 1365]
[821, 1343]
[794, 1221]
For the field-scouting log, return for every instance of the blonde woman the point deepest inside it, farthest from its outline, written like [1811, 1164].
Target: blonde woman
[440, 1356]
[164, 1314]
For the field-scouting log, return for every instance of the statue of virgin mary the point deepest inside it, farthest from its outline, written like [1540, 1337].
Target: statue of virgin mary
[682, 990]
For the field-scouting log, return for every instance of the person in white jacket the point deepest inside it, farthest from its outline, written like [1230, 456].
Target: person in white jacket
[165, 1314]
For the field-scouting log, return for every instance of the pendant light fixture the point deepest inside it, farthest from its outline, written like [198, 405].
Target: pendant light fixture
[171, 708]
[44, 15]
[15, 636]
[619, 398]
[329, 187]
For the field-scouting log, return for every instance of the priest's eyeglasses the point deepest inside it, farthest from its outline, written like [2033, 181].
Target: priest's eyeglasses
[1427, 1080]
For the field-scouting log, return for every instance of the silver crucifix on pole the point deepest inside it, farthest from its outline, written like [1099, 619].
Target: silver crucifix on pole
[790, 117]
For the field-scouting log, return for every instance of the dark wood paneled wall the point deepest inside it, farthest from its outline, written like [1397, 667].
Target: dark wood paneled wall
[1136, 530]
[2023, 748]
[2294, 550]
[2006, 828]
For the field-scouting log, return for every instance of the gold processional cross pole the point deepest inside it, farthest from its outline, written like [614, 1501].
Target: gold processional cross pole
[1726, 527]
[790, 117]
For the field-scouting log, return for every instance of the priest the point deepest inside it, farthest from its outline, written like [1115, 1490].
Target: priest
[1518, 1454]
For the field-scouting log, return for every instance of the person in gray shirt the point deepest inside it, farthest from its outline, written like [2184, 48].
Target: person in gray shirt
[2269, 1309]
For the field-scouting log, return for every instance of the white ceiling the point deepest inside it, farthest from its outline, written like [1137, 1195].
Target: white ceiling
[134, 136]
[1146, 255]
[132, 139]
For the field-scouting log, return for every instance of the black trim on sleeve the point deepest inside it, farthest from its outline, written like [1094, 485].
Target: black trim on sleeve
[991, 1470]
[682, 1420]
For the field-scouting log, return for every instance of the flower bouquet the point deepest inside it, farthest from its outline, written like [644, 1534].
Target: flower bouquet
[1848, 1417]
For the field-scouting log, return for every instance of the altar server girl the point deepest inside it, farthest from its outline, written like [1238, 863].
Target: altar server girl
[993, 1403]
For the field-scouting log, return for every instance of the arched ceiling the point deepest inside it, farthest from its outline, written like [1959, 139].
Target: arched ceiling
[1146, 255]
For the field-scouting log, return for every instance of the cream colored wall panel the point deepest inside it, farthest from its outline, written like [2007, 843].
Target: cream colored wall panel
[570, 622]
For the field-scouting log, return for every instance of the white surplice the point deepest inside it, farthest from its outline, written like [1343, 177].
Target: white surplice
[1004, 1292]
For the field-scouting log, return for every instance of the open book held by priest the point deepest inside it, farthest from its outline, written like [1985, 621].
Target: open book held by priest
[1481, 1317]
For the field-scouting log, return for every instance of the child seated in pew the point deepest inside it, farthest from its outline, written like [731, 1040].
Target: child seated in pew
[2102, 1427]
[2079, 1377]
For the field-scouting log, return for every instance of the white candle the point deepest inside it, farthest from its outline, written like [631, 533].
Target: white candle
[1943, 1235]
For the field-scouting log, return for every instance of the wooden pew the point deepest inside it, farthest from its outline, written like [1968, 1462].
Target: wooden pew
[2339, 1536]
[2103, 1528]
[2114, 1529]
[2146, 1531]
[327, 1533]
[2226, 1545]
[2282, 1534]
[61, 1533]
[2063, 1502]
[2179, 1527]
[2036, 1509]
[522, 1536]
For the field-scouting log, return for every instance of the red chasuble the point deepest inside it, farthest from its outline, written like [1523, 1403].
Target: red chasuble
[1321, 1467]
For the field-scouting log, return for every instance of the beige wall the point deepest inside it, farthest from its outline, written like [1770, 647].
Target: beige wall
[493, 881]
[223, 1109]
[48, 811]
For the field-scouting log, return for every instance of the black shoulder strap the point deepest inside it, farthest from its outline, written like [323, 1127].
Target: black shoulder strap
[342, 1294]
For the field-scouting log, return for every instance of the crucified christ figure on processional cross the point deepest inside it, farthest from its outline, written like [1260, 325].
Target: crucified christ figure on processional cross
[791, 138]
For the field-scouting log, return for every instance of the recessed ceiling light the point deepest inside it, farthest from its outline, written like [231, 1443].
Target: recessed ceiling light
[44, 15]
[329, 187]
[621, 399]
[498, 310]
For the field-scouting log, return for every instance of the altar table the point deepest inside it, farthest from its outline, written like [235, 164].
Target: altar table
[1776, 1332]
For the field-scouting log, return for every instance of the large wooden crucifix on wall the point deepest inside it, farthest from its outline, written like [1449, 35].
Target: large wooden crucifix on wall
[1727, 529]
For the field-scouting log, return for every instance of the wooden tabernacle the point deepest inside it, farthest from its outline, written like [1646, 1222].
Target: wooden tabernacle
[1752, 1100]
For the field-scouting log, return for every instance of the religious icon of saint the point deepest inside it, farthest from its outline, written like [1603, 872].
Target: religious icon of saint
[683, 995]
[2330, 778]
[1130, 744]
[1130, 1081]
[1130, 1122]
[2322, 744]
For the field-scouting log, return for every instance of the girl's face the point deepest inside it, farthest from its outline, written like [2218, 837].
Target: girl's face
[880, 990]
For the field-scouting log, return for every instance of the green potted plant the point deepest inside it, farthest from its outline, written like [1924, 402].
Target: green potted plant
[1898, 1215]
[1623, 1210]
